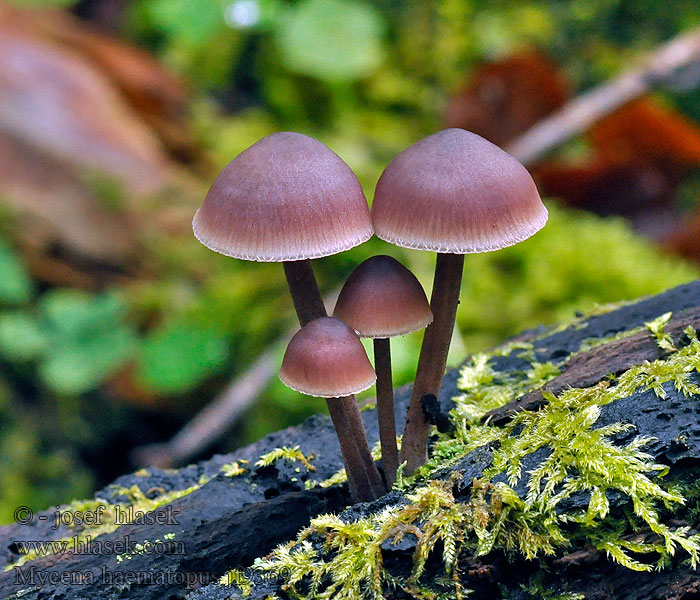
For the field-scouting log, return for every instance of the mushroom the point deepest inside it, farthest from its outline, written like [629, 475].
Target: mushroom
[325, 358]
[289, 198]
[382, 299]
[453, 193]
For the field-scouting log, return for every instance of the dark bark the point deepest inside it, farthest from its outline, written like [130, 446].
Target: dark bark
[230, 521]
[589, 368]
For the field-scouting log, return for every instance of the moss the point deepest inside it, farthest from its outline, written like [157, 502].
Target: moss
[235, 468]
[506, 510]
[153, 546]
[537, 589]
[111, 514]
[288, 454]
[341, 476]
[588, 344]
[238, 578]
[111, 518]
[485, 390]
[657, 328]
[503, 510]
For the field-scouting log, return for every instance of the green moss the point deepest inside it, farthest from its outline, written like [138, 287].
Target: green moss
[338, 559]
[538, 590]
[111, 518]
[149, 547]
[235, 468]
[485, 390]
[657, 328]
[238, 578]
[341, 476]
[284, 453]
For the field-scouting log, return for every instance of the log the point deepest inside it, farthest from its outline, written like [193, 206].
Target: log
[588, 368]
[226, 521]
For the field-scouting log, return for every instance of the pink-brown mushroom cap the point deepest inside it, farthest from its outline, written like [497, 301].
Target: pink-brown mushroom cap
[325, 358]
[287, 197]
[383, 299]
[456, 193]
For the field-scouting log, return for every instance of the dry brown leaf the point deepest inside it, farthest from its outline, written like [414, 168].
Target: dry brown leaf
[504, 99]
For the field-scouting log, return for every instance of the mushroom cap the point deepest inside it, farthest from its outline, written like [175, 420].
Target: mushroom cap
[383, 299]
[287, 197]
[325, 358]
[456, 193]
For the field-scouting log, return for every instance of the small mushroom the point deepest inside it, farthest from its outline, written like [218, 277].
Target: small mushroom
[325, 358]
[453, 193]
[382, 299]
[289, 198]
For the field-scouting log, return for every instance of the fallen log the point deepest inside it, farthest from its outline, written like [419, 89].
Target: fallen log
[199, 522]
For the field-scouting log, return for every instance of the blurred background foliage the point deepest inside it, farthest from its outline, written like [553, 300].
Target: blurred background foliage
[116, 326]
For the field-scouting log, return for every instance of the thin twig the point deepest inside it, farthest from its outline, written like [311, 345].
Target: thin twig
[663, 67]
[221, 414]
[216, 419]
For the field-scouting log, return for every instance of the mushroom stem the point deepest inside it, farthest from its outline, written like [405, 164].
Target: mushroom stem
[304, 290]
[357, 478]
[385, 409]
[433, 357]
[353, 415]
[309, 306]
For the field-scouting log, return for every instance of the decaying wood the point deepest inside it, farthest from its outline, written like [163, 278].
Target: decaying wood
[588, 368]
[229, 521]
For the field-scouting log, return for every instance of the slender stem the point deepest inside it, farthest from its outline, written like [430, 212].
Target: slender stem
[385, 409]
[353, 415]
[433, 357]
[351, 435]
[357, 478]
[304, 290]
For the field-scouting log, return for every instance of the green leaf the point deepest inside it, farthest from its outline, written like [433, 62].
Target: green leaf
[77, 314]
[88, 339]
[15, 283]
[334, 40]
[191, 21]
[21, 337]
[81, 366]
[175, 358]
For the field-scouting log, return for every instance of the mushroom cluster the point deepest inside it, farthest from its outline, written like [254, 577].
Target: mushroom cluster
[289, 198]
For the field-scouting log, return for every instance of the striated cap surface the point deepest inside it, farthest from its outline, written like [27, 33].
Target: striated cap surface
[325, 358]
[287, 197]
[456, 193]
[383, 299]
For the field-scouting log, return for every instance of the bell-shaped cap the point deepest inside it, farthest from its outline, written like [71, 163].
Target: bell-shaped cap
[383, 299]
[287, 197]
[456, 193]
[325, 358]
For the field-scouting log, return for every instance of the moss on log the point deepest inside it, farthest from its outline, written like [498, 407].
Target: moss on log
[198, 523]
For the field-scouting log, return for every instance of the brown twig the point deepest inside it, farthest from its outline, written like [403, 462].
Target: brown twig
[588, 368]
[216, 419]
[660, 68]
